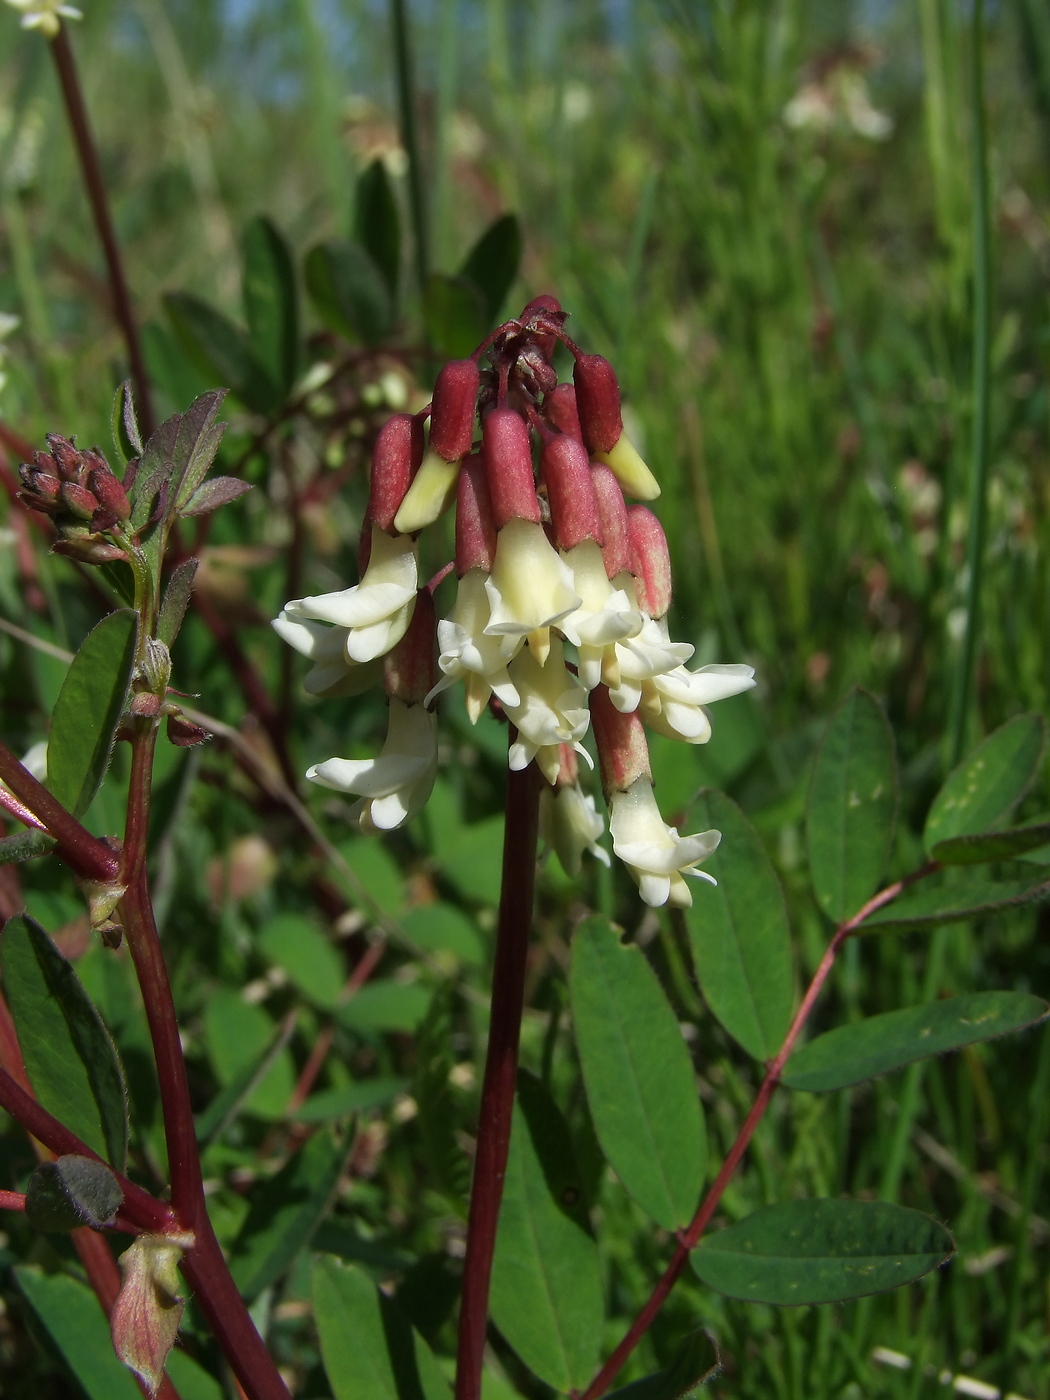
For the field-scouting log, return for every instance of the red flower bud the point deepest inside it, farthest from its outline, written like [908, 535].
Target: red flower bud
[560, 408]
[570, 489]
[475, 530]
[507, 449]
[88, 551]
[612, 515]
[395, 461]
[65, 456]
[38, 481]
[185, 735]
[109, 493]
[78, 499]
[537, 311]
[410, 671]
[454, 407]
[651, 561]
[623, 754]
[598, 402]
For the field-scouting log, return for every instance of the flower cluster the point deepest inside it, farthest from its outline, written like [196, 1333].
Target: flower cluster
[560, 615]
[82, 496]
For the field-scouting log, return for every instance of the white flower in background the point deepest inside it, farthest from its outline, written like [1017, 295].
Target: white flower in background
[467, 652]
[530, 586]
[655, 854]
[8, 323]
[333, 672]
[44, 14]
[570, 825]
[606, 615]
[376, 612]
[651, 653]
[552, 710]
[394, 787]
[672, 702]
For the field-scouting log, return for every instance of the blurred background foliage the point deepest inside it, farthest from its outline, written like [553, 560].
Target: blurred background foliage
[761, 212]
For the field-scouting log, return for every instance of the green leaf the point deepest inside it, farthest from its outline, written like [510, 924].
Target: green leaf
[88, 710]
[25, 845]
[822, 1251]
[989, 782]
[348, 291]
[191, 1380]
[227, 1104]
[547, 1297]
[433, 1092]
[285, 1213]
[154, 472]
[72, 1191]
[70, 1313]
[696, 1362]
[492, 264]
[211, 495]
[386, 1006]
[328, 1104]
[377, 224]
[221, 351]
[640, 1081]
[176, 600]
[370, 1351]
[739, 932]
[196, 443]
[992, 845]
[851, 807]
[238, 1035]
[270, 301]
[127, 437]
[454, 314]
[70, 1059]
[961, 898]
[864, 1049]
[443, 928]
[297, 945]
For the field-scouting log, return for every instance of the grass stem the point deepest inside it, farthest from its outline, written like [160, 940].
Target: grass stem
[406, 97]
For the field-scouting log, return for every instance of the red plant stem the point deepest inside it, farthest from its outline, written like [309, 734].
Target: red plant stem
[203, 1265]
[520, 836]
[23, 814]
[85, 853]
[315, 1060]
[12, 1200]
[689, 1238]
[91, 169]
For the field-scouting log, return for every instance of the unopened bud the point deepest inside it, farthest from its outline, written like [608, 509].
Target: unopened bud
[395, 461]
[623, 754]
[541, 312]
[507, 450]
[156, 666]
[410, 671]
[145, 1318]
[560, 409]
[88, 551]
[650, 561]
[109, 493]
[102, 900]
[78, 500]
[65, 456]
[598, 402]
[183, 734]
[453, 410]
[631, 472]
[612, 513]
[475, 529]
[570, 490]
[429, 496]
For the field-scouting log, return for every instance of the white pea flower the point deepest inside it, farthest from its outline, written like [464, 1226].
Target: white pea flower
[530, 586]
[394, 787]
[376, 612]
[333, 673]
[655, 854]
[640, 658]
[552, 710]
[44, 14]
[606, 615]
[672, 703]
[466, 651]
[570, 825]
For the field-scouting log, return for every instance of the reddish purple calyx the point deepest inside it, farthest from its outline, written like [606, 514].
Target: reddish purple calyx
[507, 449]
[650, 561]
[598, 402]
[410, 671]
[612, 515]
[623, 753]
[560, 409]
[395, 461]
[573, 500]
[475, 528]
[543, 311]
[453, 409]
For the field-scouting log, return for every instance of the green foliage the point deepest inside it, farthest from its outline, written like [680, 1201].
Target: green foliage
[72, 1191]
[69, 1056]
[77, 1325]
[88, 710]
[377, 223]
[492, 264]
[348, 291]
[821, 1252]
[988, 783]
[454, 312]
[271, 301]
[696, 1362]
[640, 1081]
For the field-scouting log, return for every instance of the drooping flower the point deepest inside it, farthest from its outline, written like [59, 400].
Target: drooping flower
[656, 856]
[394, 787]
[45, 15]
[570, 825]
[552, 710]
[333, 672]
[469, 652]
[672, 702]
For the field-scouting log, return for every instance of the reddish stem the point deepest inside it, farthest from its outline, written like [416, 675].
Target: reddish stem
[12, 1200]
[315, 1060]
[203, 1265]
[85, 853]
[91, 169]
[690, 1237]
[501, 1065]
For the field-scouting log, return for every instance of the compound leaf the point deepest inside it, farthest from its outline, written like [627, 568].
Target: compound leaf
[989, 782]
